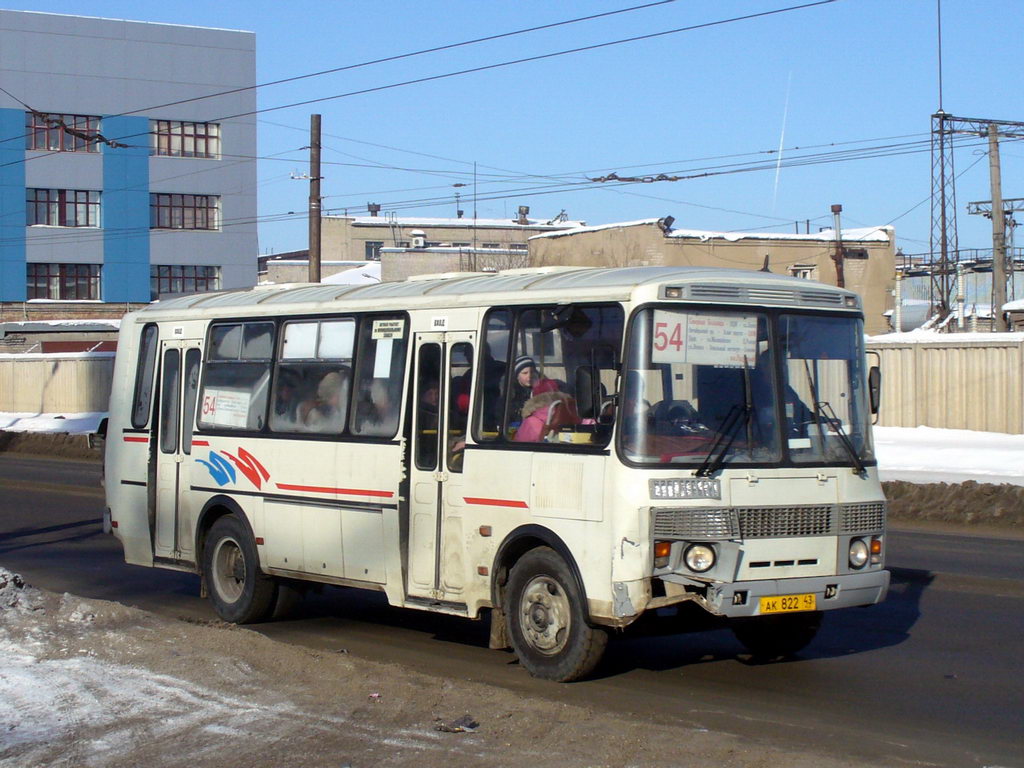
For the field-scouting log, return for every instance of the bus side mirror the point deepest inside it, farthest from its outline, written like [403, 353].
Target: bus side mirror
[875, 387]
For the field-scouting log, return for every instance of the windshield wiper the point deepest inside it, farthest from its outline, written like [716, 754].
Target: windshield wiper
[737, 415]
[836, 423]
[729, 427]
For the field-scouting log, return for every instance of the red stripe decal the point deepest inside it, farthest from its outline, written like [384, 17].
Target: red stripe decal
[497, 502]
[201, 443]
[129, 439]
[342, 491]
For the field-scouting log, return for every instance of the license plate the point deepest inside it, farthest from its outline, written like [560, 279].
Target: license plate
[788, 603]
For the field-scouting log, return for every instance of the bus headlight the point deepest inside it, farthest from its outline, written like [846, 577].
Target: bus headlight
[699, 557]
[858, 554]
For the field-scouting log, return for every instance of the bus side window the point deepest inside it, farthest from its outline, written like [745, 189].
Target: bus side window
[312, 386]
[144, 377]
[493, 364]
[236, 382]
[380, 376]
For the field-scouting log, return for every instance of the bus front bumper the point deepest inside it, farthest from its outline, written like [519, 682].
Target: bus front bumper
[744, 598]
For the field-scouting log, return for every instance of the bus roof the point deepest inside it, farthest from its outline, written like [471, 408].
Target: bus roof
[516, 286]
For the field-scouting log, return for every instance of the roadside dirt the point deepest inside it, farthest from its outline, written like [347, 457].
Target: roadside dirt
[93, 683]
[970, 504]
[54, 444]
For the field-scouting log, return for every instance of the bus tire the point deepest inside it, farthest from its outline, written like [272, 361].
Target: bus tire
[547, 623]
[773, 637]
[239, 591]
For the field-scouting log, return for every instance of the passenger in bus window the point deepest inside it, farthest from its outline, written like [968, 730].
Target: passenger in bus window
[544, 415]
[379, 416]
[287, 399]
[526, 383]
[328, 415]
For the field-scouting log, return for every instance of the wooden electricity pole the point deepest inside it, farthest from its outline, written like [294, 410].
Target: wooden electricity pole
[998, 232]
[314, 198]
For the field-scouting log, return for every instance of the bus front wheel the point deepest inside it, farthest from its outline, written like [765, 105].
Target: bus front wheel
[548, 628]
[239, 591]
[772, 637]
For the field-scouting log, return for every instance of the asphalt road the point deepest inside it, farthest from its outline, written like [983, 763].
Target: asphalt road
[931, 676]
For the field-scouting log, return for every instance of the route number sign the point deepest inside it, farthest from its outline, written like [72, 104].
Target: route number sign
[704, 339]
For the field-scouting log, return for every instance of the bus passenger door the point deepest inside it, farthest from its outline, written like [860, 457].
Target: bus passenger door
[440, 414]
[179, 384]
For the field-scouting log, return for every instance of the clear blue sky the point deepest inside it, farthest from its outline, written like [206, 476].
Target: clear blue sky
[849, 71]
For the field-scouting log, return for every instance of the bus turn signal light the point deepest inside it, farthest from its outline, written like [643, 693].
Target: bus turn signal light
[662, 550]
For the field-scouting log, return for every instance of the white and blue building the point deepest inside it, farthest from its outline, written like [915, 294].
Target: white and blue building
[116, 184]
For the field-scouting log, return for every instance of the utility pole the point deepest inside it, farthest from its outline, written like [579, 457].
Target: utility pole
[998, 232]
[314, 198]
[839, 254]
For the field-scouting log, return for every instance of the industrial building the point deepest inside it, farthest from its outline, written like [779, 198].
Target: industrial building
[116, 183]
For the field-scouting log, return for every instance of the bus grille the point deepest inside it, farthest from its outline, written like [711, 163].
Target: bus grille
[855, 518]
[696, 523]
[775, 522]
[768, 522]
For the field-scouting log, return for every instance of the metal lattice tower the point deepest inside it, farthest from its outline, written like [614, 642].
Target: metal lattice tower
[944, 246]
[943, 241]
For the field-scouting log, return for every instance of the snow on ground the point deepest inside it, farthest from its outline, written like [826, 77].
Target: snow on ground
[929, 455]
[89, 683]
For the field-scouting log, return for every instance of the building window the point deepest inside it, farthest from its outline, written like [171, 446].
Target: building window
[491, 245]
[174, 138]
[804, 271]
[518, 247]
[167, 279]
[372, 252]
[63, 207]
[168, 211]
[71, 282]
[62, 133]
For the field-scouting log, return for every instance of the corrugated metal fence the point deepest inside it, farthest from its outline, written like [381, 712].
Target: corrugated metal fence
[956, 383]
[54, 383]
[973, 384]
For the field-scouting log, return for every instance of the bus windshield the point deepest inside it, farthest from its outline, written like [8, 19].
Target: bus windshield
[705, 388]
[826, 411]
[699, 386]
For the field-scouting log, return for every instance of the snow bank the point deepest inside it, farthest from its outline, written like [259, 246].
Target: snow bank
[929, 455]
[72, 423]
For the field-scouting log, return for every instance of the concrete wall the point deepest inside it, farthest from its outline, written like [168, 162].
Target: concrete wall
[644, 244]
[74, 383]
[953, 384]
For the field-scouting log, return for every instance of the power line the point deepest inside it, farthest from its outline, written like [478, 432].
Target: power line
[527, 59]
[513, 62]
[386, 59]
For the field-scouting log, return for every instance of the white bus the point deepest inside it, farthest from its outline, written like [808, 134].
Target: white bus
[564, 449]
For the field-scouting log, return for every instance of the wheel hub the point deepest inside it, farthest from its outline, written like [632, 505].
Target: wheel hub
[545, 610]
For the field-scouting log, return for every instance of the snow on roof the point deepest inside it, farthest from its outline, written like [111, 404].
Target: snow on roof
[380, 221]
[597, 228]
[860, 234]
[925, 335]
[1014, 306]
[365, 274]
[102, 324]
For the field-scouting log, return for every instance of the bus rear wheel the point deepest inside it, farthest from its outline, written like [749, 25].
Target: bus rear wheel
[773, 637]
[239, 591]
[548, 626]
